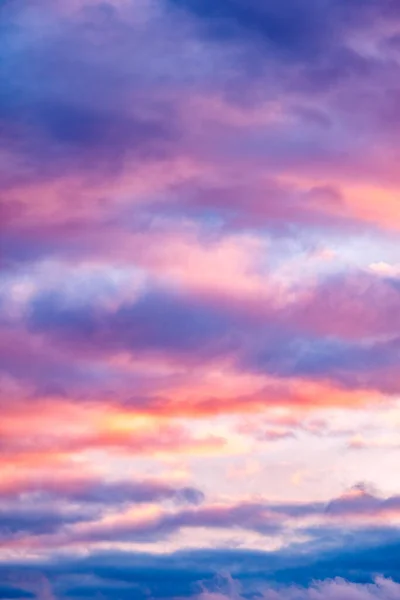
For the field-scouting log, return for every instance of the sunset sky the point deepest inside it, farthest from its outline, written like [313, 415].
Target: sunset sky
[200, 299]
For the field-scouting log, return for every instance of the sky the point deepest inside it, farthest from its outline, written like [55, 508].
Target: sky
[200, 299]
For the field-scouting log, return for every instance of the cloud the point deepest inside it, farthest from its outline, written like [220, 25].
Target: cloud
[337, 589]
[298, 30]
[343, 573]
[192, 195]
[8, 593]
[90, 490]
[289, 340]
[21, 521]
[78, 114]
[106, 512]
[95, 129]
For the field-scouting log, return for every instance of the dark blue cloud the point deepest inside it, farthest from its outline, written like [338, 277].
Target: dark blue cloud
[298, 45]
[70, 96]
[11, 593]
[297, 29]
[157, 321]
[185, 573]
[33, 520]
[84, 127]
[348, 362]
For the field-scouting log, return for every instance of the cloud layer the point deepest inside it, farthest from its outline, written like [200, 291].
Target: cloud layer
[199, 299]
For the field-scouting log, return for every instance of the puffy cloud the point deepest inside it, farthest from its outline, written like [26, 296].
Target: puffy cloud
[337, 589]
